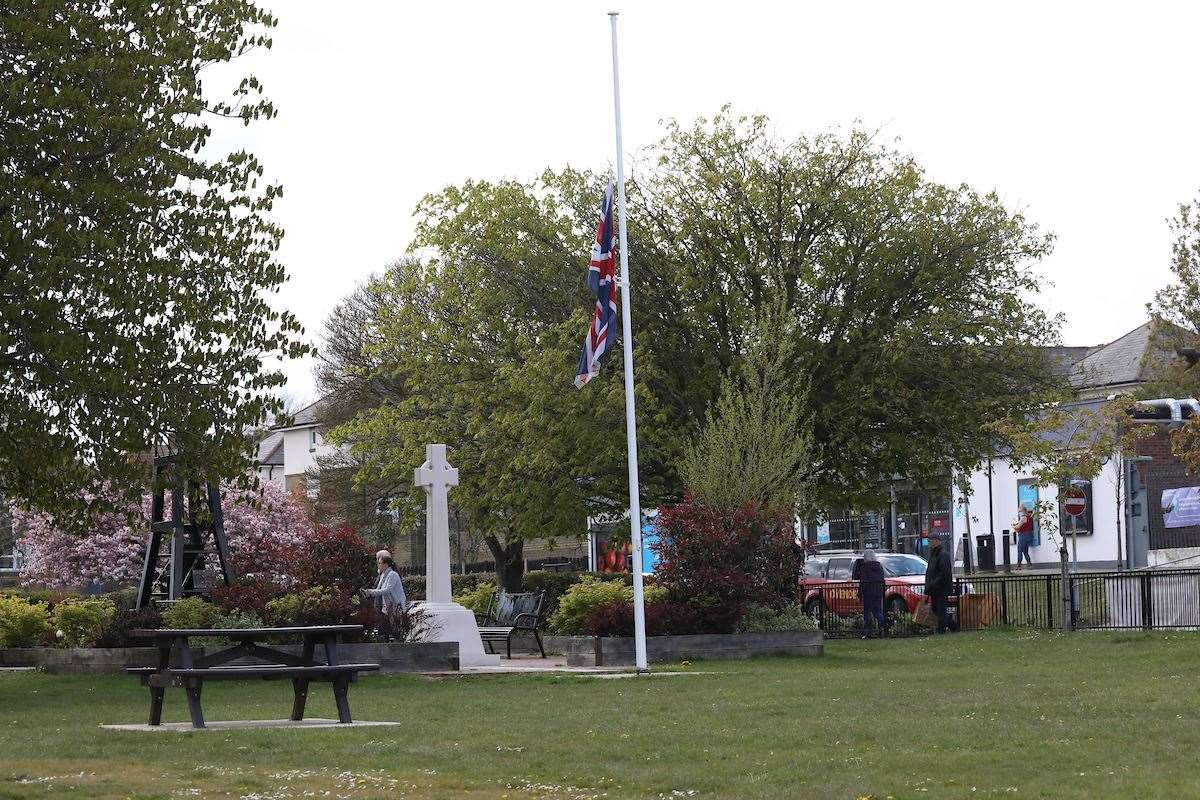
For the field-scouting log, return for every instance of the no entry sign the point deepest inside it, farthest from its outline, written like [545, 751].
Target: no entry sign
[1075, 502]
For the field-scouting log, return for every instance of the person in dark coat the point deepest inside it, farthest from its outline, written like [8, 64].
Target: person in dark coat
[869, 574]
[939, 579]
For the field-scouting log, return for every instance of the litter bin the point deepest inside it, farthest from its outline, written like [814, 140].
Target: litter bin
[985, 552]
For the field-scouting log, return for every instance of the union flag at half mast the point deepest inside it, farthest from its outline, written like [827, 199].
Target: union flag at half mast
[602, 280]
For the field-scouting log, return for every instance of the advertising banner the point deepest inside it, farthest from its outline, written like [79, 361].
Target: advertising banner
[1181, 507]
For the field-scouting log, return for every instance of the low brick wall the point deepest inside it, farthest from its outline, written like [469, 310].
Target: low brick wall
[595, 651]
[392, 657]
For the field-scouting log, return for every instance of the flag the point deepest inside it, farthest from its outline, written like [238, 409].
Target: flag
[602, 280]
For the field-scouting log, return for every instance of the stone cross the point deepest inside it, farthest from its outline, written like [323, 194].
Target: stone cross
[436, 476]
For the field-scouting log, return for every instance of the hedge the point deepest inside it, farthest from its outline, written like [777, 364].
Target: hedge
[554, 584]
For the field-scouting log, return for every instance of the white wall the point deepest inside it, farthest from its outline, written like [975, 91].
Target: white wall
[297, 453]
[1100, 546]
[271, 474]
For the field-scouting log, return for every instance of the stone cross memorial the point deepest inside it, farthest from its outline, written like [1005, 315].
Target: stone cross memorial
[447, 620]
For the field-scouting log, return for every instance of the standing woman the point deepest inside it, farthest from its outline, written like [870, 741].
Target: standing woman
[389, 593]
[1024, 528]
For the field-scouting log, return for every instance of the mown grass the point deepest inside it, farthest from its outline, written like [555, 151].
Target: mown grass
[975, 715]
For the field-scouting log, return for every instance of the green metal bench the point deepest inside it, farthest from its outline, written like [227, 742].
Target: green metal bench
[508, 614]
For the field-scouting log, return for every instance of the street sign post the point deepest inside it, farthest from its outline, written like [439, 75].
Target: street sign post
[1075, 502]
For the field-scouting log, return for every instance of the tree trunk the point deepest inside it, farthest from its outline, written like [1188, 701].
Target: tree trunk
[510, 562]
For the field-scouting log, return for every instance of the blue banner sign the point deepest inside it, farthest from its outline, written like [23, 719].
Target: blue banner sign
[650, 536]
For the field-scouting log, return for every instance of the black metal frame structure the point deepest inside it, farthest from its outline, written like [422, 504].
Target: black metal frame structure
[196, 517]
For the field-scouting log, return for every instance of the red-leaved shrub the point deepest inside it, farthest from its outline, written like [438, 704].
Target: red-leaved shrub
[337, 558]
[663, 618]
[718, 562]
[247, 594]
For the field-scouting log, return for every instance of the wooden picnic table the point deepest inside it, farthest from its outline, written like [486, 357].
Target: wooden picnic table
[178, 666]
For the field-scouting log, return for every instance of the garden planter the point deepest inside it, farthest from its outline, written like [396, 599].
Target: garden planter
[392, 657]
[596, 651]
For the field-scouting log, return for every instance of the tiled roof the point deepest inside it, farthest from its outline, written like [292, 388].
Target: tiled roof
[270, 449]
[1064, 359]
[309, 415]
[1120, 362]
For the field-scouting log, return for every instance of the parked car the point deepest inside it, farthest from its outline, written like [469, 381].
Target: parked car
[827, 580]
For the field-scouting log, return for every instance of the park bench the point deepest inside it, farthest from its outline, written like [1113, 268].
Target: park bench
[179, 667]
[508, 614]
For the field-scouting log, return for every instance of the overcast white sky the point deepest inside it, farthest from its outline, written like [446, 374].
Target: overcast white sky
[1082, 115]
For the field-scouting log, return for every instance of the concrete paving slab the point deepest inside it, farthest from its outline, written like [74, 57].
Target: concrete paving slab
[249, 724]
[531, 666]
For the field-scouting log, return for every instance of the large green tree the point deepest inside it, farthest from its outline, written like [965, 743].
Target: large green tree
[135, 258]
[915, 321]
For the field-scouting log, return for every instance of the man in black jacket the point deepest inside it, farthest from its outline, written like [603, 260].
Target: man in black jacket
[871, 586]
[939, 579]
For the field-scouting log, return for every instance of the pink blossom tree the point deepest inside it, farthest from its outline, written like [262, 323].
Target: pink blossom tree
[261, 529]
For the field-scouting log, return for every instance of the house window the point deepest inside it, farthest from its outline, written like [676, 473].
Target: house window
[312, 440]
[10, 557]
[1081, 525]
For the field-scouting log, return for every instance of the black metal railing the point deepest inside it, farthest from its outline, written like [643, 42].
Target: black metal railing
[1144, 599]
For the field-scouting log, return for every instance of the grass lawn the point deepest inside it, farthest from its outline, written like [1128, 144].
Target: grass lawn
[975, 715]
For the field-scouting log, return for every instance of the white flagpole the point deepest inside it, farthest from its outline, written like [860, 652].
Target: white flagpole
[635, 503]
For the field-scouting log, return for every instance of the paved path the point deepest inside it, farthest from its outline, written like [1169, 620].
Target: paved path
[247, 724]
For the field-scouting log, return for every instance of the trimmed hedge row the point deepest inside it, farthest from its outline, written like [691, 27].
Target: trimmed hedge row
[554, 584]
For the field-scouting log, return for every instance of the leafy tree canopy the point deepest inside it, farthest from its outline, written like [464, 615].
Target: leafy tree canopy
[911, 323]
[134, 265]
[915, 326]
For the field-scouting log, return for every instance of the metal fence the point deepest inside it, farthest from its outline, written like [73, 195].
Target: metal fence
[550, 563]
[1144, 599]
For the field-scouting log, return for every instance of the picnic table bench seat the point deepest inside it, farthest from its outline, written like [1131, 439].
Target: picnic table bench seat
[508, 614]
[178, 667]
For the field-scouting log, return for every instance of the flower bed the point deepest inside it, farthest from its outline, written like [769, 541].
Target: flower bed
[618, 651]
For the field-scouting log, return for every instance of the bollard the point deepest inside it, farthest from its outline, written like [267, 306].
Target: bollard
[1007, 557]
[966, 540]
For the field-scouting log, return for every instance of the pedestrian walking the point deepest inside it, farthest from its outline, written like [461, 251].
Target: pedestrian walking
[1024, 528]
[871, 582]
[939, 579]
[388, 594]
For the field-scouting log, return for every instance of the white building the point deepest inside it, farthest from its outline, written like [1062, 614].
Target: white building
[270, 459]
[303, 443]
[1123, 522]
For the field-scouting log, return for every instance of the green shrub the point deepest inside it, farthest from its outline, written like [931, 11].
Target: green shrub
[47, 596]
[554, 584]
[116, 632]
[80, 621]
[124, 599]
[477, 599]
[763, 619]
[579, 602]
[318, 605]
[190, 612]
[414, 585]
[22, 624]
[230, 619]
